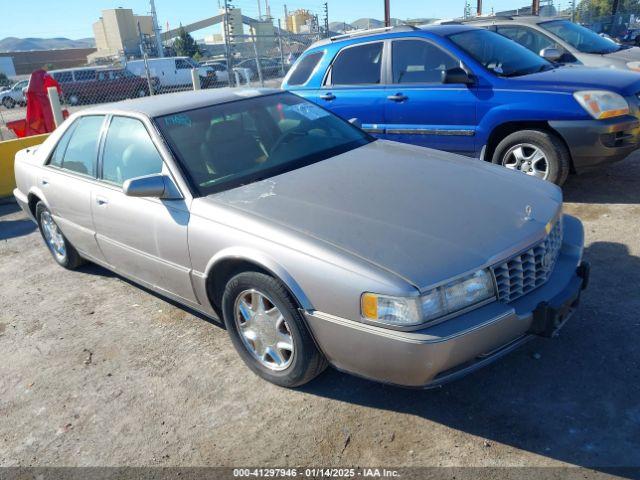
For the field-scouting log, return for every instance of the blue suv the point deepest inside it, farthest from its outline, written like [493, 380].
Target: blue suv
[474, 92]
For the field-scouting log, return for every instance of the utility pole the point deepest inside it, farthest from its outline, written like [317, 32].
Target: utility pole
[259, 10]
[479, 8]
[227, 45]
[156, 29]
[535, 7]
[326, 19]
[286, 18]
[387, 13]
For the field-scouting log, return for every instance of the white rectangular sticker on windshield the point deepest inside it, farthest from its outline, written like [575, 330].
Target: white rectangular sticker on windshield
[308, 111]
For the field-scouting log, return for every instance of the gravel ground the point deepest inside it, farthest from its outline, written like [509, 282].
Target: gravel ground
[96, 371]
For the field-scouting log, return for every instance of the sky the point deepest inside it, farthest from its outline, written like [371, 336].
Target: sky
[73, 18]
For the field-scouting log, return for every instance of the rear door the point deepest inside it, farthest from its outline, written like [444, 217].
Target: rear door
[354, 85]
[144, 238]
[419, 108]
[67, 180]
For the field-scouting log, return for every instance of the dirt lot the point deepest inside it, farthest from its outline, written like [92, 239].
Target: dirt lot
[96, 371]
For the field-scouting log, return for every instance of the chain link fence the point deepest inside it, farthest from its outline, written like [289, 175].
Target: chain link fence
[245, 60]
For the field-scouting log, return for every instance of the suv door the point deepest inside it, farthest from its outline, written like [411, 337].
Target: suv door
[419, 108]
[66, 181]
[354, 85]
[144, 238]
[533, 40]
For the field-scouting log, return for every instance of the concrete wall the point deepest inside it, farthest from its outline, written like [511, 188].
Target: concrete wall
[8, 150]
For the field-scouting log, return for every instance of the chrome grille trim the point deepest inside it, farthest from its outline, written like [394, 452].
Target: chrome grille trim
[528, 270]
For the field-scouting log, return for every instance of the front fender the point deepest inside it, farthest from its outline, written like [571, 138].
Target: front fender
[263, 261]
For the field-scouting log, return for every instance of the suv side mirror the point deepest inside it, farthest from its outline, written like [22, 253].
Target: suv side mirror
[156, 185]
[551, 54]
[456, 75]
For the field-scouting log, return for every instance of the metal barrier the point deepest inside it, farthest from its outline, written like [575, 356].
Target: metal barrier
[8, 150]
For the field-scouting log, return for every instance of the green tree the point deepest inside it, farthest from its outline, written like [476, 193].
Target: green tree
[599, 8]
[185, 45]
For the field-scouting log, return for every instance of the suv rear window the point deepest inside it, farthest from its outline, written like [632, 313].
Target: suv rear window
[304, 68]
[358, 65]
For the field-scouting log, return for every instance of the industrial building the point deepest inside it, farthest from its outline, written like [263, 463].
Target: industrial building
[116, 33]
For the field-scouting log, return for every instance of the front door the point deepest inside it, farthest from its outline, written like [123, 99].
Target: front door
[144, 238]
[354, 86]
[419, 108]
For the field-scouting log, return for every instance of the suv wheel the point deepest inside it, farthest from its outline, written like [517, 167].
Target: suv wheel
[8, 102]
[61, 250]
[536, 153]
[268, 331]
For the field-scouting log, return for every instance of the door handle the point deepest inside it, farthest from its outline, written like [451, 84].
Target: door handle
[398, 97]
[101, 201]
[328, 97]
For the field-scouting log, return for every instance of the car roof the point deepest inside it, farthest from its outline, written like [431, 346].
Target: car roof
[530, 19]
[178, 102]
[440, 30]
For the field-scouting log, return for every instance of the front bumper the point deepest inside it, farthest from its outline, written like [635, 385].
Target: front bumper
[596, 142]
[446, 351]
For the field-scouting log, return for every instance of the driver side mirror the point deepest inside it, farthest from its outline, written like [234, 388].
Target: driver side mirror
[551, 54]
[456, 75]
[155, 186]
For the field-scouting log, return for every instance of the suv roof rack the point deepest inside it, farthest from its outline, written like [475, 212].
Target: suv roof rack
[372, 31]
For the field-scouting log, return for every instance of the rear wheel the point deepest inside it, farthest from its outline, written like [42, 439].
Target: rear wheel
[8, 102]
[534, 152]
[61, 250]
[268, 331]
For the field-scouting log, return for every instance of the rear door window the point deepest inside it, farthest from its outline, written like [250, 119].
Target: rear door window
[85, 75]
[82, 150]
[304, 68]
[359, 65]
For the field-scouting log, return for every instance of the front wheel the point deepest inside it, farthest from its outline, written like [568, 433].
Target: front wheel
[268, 331]
[61, 250]
[534, 152]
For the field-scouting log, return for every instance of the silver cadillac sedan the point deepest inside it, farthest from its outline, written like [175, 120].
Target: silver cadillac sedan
[314, 242]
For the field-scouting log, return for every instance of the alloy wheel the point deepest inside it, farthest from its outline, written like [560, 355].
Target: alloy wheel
[264, 330]
[527, 158]
[53, 236]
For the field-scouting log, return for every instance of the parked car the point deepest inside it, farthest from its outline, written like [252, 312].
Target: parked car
[474, 92]
[560, 40]
[172, 72]
[220, 69]
[99, 84]
[271, 67]
[632, 36]
[316, 243]
[14, 95]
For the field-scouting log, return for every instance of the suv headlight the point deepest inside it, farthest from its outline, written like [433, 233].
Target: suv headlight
[634, 66]
[601, 104]
[436, 303]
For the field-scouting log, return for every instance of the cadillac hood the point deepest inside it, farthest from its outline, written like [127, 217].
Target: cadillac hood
[421, 214]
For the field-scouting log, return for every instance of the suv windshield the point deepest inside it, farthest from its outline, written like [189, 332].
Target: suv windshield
[231, 144]
[498, 54]
[581, 38]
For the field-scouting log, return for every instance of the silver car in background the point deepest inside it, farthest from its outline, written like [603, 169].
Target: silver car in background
[560, 40]
[314, 242]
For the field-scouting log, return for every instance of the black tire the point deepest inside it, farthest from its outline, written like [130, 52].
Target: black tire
[71, 259]
[554, 149]
[8, 102]
[307, 362]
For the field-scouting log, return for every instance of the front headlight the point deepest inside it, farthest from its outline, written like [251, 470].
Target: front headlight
[634, 66]
[436, 303]
[601, 104]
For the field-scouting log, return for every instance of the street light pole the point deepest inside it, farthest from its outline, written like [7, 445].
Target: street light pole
[535, 7]
[479, 9]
